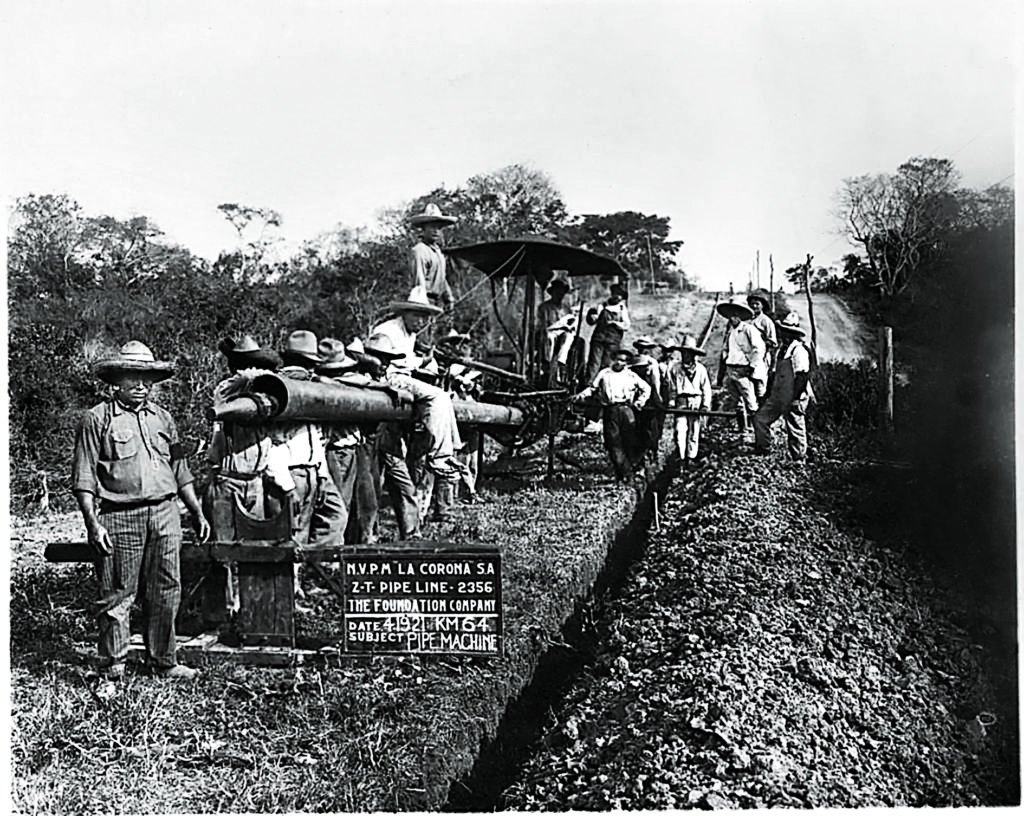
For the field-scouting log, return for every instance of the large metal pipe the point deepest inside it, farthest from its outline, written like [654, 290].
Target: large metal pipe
[275, 398]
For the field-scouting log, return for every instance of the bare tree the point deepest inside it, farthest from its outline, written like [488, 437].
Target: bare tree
[899, 218]
[241, 217]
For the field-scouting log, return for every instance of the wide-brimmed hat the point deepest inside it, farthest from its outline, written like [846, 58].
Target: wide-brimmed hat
[761, 295]
[618, 289]
[431, 214]
[689, 343]
[645, 341]
[134, 357]
[561, 284]
[418, 301]
[302, 344]
[382, 347]
[246, 353]
[453, 337]
[791, 324]
[355, 347]
[623, 352]
[733, 309]
[332, 353]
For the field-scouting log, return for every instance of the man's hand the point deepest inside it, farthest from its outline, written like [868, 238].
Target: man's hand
[202, 527]
[100, 539]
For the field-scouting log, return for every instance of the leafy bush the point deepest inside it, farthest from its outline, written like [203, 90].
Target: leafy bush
[847, 396]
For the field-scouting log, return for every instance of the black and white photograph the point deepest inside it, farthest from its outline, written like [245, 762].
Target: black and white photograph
[510, 405]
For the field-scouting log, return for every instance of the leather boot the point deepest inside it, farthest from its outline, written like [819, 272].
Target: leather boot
[741, 421]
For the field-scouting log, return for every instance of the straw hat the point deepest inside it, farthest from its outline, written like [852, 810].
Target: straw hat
[734, 309]
[431, 214]
[382, 347]
[301, 344]
[246, 353]
[645, 341]
[791, 323]
[134, 357]
[332, 352]
[690, 344]
[355, 347]
[416, 302]
[761, 295]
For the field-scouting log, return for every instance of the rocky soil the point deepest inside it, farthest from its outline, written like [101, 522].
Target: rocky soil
[766, 653]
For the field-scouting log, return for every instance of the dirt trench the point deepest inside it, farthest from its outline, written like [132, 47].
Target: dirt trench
[759, 650]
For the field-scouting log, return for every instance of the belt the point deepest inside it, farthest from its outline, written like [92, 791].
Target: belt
[234, 474]
[107, 506]
[303, 467]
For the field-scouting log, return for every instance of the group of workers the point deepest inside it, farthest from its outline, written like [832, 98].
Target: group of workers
[129, 467]
[764, 369]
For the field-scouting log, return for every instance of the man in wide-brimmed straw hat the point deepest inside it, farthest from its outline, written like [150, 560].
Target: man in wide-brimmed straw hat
[240, 463]
[611, 322]
[427, 263]
[391, 450]
[790, 395]
[690, 389]
[759, 302]
[127, 473]
[651, 418]
[621, 393]
[434, 405]
[743, 358]
[318, 513]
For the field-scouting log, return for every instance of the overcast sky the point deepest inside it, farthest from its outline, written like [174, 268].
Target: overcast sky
[738, 120]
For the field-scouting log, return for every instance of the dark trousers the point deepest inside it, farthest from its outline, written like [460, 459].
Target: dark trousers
[620, 438]
[649, 424]
[361, 530]
[147, 543]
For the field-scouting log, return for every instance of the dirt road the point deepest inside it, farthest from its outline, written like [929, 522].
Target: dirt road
[841, 336]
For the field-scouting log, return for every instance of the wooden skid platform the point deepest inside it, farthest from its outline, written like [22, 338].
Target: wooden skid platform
[207, 646]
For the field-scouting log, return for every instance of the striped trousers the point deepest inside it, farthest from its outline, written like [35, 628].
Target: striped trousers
[145, 559]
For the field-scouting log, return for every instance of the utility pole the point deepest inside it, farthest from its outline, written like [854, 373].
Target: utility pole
[650, 259]
[757, 268]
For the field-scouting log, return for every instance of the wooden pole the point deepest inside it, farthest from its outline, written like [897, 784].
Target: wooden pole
[885, 366]
[810, 312]
[650, 259]
[771, 282]
[757, 268]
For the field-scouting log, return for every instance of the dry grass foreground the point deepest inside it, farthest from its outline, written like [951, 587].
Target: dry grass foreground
[373, 734]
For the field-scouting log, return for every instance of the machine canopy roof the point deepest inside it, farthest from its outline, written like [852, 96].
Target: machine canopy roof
[534, 256]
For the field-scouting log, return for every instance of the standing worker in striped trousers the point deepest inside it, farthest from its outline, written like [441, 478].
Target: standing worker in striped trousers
[127, 473]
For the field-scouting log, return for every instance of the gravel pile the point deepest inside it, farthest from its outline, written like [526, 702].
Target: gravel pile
[765, 653]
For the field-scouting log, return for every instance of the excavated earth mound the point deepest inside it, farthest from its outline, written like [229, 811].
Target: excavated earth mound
[765, 653]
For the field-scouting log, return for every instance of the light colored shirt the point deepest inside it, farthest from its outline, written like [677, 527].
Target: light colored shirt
[744, 347]
[619, 388]
[125, 455]
[404, 342]
[767, 328]
[427, 266]
[687, 387]
[236, 448]
[800, 356]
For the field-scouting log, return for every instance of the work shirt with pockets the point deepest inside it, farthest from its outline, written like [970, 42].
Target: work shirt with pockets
[128, 455]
